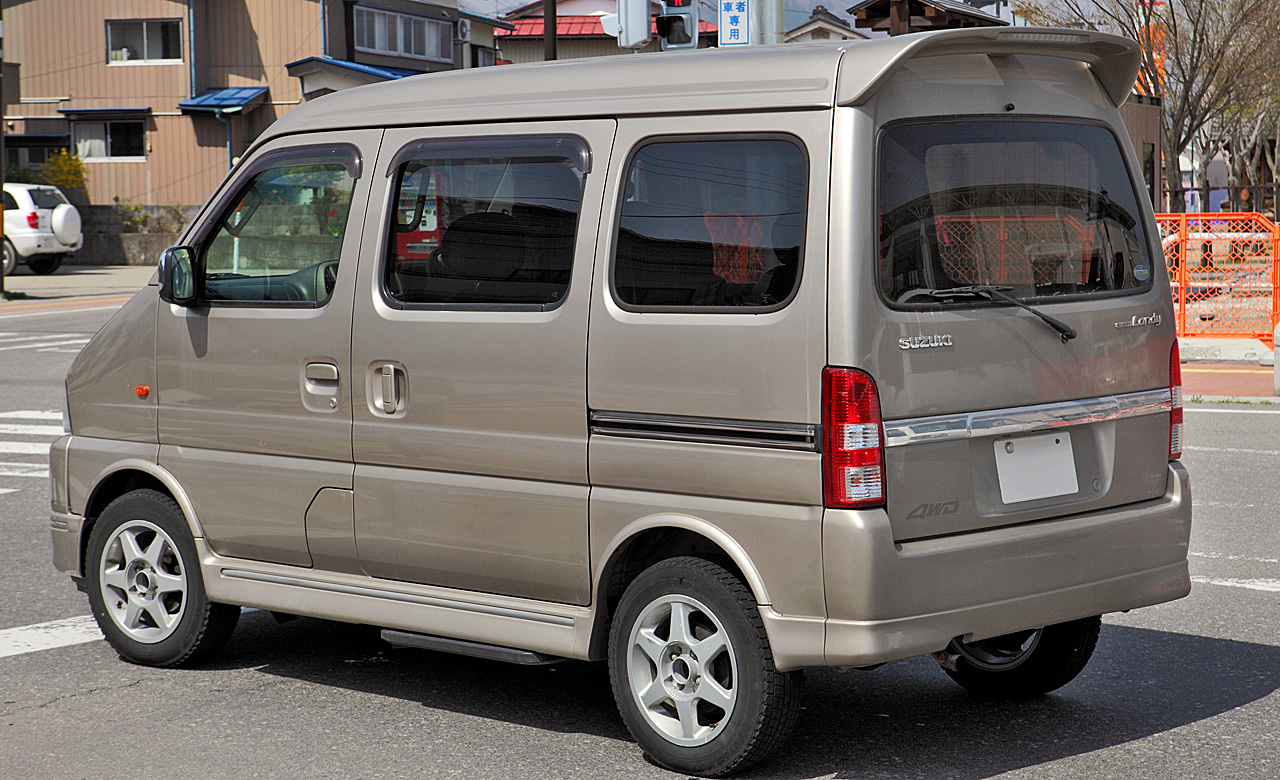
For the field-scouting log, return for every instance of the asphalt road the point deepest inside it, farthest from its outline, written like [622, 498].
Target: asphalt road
[1183, 690]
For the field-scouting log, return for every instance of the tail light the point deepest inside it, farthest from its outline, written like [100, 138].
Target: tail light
[33, 220]
[1175, 396]
[852, 440]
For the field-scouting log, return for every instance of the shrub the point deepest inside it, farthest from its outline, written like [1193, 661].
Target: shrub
[66, 172]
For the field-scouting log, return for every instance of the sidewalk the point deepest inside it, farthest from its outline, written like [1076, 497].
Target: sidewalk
[77, 281]
[1226, 380]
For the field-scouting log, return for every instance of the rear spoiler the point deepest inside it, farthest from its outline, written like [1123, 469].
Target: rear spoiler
[867, 66]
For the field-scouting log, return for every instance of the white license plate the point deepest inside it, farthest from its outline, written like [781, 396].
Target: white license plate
[1035, 467]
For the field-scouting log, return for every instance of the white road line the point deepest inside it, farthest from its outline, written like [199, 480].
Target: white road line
[1267, 586]
[1231, 449]
[1225, 557]
[1199, 410]
[47, 636]
[10, 338]
[24, 448]
[8, 490]
[32, 415]
[32, 430]
[23, 470]
[80, 342]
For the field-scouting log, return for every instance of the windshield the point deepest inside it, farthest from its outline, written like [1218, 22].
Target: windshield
[1044, 208]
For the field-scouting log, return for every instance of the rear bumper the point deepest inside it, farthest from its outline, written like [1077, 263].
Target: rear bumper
[887, 601]
[36, 243]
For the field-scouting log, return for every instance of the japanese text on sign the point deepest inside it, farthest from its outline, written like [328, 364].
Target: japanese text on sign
[735, 22]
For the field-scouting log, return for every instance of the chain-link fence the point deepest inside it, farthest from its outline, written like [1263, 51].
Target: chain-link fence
[1225, 270]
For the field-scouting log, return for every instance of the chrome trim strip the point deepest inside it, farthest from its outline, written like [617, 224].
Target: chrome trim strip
[409, 598]
[1025, 419]
[706, 430]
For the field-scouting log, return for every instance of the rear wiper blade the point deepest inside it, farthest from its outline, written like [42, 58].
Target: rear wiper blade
[1001, 292]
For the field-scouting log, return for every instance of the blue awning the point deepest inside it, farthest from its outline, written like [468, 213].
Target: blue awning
[226, 100]
[381, 72]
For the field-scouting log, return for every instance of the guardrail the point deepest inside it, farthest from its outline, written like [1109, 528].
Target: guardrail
[1225, 273]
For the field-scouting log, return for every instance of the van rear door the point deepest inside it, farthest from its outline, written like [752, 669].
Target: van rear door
[996, 414]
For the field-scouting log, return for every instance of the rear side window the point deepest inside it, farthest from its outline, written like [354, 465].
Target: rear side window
[490, 224]
[713, 223]
[46, 198]
[1043, 208]
[10, 204]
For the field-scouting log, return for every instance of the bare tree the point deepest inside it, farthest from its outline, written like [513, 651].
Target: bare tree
[1206, 60]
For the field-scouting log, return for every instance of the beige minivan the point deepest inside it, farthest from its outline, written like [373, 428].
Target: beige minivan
[715, 366]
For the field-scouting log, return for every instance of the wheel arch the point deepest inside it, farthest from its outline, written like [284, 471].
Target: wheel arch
[127, 476]
[656, 538]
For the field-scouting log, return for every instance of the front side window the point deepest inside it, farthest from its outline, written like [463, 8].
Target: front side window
[144, 40]
[103, 141]
[1039, 207]
[402, 35]
[485, 223]
[280, 240]
[711, 223]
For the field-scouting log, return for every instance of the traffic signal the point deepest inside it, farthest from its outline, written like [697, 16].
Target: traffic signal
[678, 24]
[631, 25]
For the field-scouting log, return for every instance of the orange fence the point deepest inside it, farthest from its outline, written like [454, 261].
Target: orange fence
[1225, 272]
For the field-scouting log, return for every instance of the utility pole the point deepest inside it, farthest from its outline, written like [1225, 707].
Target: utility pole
[4, 155]
[549, 29]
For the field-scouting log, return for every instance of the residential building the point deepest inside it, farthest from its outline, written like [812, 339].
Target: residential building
[159, 97]
[578, 31]
[822, 25]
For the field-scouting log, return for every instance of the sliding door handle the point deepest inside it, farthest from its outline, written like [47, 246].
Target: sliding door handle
[388, 388]
[390, 398]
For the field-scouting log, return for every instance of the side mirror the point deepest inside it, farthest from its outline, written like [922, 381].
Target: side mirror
[178, 275]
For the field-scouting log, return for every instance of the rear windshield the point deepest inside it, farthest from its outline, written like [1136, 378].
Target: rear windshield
[1045, 208]
[46, 198]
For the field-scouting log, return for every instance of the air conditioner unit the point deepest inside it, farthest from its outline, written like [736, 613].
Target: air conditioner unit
[464, 30]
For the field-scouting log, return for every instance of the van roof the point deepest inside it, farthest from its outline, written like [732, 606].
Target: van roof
[756, 78]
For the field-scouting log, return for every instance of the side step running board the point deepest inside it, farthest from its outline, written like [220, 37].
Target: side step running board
[463, 647]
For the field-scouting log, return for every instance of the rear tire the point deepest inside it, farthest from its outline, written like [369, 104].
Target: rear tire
[10, 258]
[45, 264]
[693, 673]
[145, 587]
[1024, 664]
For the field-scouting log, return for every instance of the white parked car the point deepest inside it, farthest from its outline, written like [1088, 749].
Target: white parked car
[40, 227]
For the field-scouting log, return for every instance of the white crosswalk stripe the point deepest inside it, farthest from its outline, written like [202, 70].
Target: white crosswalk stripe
[42, 342]
[25, 437]
[50, 415]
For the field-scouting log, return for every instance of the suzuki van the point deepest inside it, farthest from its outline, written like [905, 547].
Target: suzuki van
[712, 366]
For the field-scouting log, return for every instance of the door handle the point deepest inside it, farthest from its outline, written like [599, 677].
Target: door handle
[388, 388]
[390, 398]
[320, 378]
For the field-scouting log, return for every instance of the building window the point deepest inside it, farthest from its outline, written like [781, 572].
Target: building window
[483, 56]
[109, 141]
[400, 35]
[144, 41]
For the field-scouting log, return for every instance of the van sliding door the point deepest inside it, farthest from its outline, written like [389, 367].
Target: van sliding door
[470, 331]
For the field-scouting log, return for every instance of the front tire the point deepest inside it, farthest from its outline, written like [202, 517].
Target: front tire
[693, 673]
[145, 587]
[1024, 664]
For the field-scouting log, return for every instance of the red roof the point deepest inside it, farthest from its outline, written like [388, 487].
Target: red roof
[574, 27]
